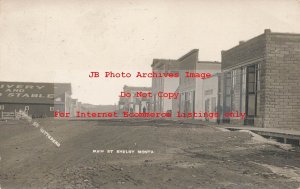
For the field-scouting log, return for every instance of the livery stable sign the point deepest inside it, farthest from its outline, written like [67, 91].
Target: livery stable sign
[29, 93]
[24, 91]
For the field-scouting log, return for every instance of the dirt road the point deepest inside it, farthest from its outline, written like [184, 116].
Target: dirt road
[183, 156]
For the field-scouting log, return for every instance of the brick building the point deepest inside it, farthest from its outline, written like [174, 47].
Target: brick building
[261, 78]
[37, 99]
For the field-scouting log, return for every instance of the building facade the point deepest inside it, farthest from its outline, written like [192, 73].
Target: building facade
[207, 88]
[135, 103]
[187, 86]
[163, 84]
[260, 77]
[36, 99]
[75, 107]
[191, 88]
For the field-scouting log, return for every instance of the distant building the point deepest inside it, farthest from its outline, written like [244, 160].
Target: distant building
[75, 107]
[135, 103]
[164, 84]
[175, 104]
[37, 99]
[261, 78]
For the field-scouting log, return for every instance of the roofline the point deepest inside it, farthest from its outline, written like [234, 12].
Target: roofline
[266, 32]
[135, 86]
[156, 61]
[243, 42]
[284, 33]
[187, 54]
[210, 62]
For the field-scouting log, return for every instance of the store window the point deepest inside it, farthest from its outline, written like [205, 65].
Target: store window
[227, 95]
[243, 90]
[252, 93]
[258, 90]
[234, 78]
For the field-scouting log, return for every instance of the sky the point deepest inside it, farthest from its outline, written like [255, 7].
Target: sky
[64, 40]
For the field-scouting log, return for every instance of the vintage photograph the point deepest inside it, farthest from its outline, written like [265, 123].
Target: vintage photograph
[183, 94]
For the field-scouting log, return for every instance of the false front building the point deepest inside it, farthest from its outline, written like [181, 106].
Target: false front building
[134, 102]
[164, 84]
[192, 75]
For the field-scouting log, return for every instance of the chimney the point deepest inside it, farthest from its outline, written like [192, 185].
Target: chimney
[267, 31]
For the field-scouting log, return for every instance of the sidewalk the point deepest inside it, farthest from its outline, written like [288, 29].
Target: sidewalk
[272, 130]
[282, 135]
[286, 135]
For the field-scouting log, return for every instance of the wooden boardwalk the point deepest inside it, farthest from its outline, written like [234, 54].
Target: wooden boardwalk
[282, 135]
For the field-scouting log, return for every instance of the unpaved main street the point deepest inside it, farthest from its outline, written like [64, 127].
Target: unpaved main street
[185, 156]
